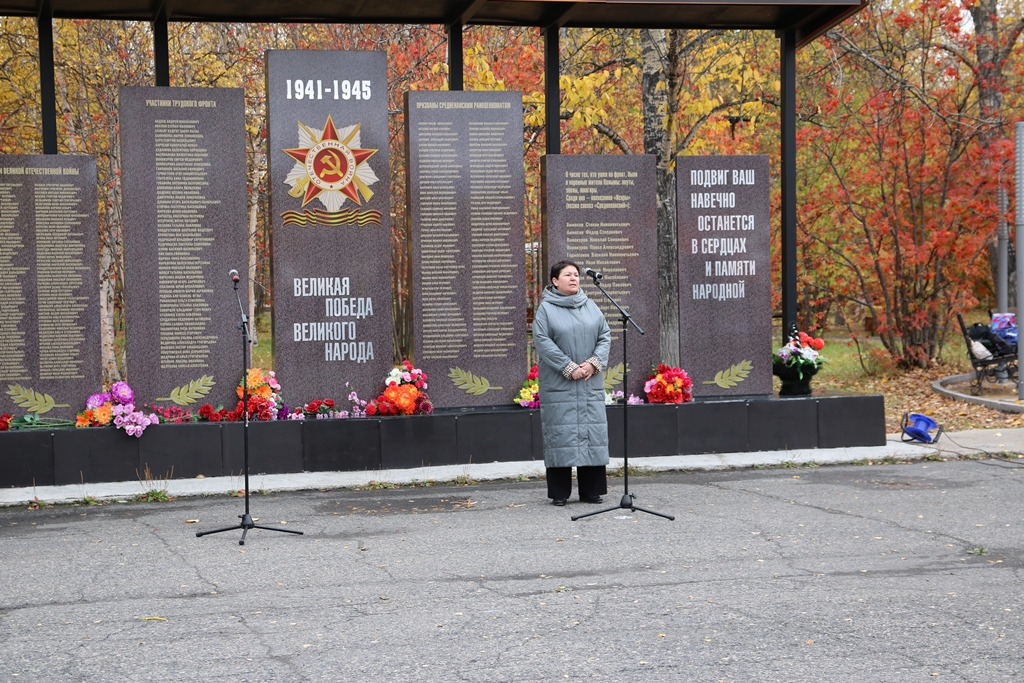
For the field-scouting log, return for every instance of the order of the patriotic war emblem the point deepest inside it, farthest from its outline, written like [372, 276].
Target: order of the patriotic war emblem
[332, 168]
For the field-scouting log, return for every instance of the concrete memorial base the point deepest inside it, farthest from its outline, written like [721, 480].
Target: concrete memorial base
[457, 436]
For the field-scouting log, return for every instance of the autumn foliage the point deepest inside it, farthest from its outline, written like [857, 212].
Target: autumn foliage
[903, 115]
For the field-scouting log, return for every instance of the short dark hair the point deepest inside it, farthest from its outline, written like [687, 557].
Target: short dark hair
[557, 269]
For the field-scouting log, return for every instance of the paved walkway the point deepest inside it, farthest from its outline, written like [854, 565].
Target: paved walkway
[893, 573]
[1002, 396]
[955, 444]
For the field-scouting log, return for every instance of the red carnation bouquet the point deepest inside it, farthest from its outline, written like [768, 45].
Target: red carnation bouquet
[668, 385]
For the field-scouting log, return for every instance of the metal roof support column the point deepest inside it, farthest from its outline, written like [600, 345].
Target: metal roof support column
[456, 57]
[161, 50]
[47, 78]
[787, 46]
[552, 93]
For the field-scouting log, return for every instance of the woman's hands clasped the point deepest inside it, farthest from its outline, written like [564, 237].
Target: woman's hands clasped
[584, 372]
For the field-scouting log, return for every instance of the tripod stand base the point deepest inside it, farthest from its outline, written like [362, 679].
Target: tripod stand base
[245, 525]
[625, 504]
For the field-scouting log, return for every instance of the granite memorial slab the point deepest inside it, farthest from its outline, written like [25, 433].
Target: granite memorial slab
[465, 189]
[330, 204]
[599, 210]
[184, 184]
[49, 308]
[725, 311]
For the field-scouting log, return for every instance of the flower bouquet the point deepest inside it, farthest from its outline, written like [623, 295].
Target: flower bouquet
[318, 409]
[265, 401]
[117, 406]
[404, 393]
[668, 385]
[529, 395]
[799, 356]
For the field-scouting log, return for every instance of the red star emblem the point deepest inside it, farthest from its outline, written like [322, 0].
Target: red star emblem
[331, 164]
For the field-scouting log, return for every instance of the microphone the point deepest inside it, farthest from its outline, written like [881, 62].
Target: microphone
[235, 277]
[590, 272]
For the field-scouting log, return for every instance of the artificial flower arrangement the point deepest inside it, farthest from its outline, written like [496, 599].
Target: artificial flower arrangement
[800, 353]
[404, 393]
[117, 406]
[617, 397]
[317, 409]
[5, 422]
[327, 409]
[206, 413]
[265, 401]
[529, 395]
[668, 385]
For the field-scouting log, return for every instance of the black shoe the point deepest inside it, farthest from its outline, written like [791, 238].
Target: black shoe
[560, 502]
[592, 499]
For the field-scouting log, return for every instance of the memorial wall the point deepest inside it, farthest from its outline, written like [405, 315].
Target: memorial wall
[331, 209]
[184, 184]
[600, 212]
[725, 313]
[465, 201]
[49, 284]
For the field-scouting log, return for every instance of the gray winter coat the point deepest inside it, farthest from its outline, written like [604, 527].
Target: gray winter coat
[571, 329]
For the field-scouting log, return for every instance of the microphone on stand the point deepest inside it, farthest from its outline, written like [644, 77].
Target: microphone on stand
[235, 277]
[590, 272]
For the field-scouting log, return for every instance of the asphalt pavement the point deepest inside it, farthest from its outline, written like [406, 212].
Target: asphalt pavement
[890, 564]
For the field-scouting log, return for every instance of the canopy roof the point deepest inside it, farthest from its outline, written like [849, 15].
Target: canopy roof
[807, 19]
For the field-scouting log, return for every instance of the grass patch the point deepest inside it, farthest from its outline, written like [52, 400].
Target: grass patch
[792, 464]
[262, 351]
[154, 488]
[377, 486]
[634, 471]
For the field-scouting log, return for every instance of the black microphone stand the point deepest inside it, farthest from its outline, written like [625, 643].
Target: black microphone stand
[246, 522]
[627, 498]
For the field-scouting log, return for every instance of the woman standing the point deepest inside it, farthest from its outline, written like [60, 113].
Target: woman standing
[572, 340]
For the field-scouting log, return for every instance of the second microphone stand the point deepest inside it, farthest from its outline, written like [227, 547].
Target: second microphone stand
[247, 522]
[627, 498]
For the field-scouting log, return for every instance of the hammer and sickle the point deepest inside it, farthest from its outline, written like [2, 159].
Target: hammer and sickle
[331, 168]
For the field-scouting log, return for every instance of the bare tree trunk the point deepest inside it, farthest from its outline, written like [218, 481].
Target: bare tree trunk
[659, 140]
[251, 269]
[108, 247]
[991, 82]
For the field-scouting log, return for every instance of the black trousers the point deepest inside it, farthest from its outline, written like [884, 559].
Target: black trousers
[592, 480]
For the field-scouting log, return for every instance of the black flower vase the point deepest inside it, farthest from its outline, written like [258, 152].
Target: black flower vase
[795, 381]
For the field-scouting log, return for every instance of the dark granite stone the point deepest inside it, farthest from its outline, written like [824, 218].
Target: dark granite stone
[504, 436]
[725, 310]
[183, 450]
[845, 421]
[418, 441]
[600, 211]
[341, 445]
[183, 160]
[332, 229]
[652, 429]
[95, 454]
[784, 424]
[275, 447]
[49, 256]
[713, 427]
[465, 190]
[26, 458]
